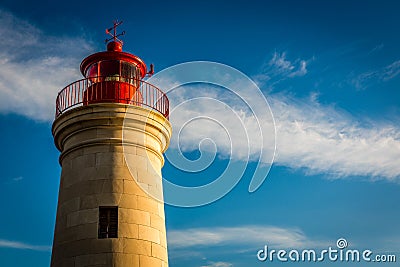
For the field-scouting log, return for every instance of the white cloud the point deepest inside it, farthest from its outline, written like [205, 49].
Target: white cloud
[20, 245]
[377, 48]
[384, 74]
[218, 264]
[310, 136]
[241, 236]
[12, 180]
[35, 67]
[279, 68]
[391, 71]
[323, 139]
[221, 117]
[280, 65]
[18, 178]
[301, 71]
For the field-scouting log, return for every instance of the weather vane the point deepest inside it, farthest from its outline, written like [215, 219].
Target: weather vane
[114, 33]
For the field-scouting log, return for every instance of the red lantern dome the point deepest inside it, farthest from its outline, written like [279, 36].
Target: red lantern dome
[113, 76]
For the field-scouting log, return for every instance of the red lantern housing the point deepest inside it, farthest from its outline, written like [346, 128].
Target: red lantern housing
[114, 75]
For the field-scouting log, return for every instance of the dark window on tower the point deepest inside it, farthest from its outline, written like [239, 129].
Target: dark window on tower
[108, 222]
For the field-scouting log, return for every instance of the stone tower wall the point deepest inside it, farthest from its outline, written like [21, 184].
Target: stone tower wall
[111, 155]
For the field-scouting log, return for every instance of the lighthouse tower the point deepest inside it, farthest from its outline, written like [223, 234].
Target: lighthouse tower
[111, 129]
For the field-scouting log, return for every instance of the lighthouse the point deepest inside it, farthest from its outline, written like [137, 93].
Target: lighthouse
[111, 128]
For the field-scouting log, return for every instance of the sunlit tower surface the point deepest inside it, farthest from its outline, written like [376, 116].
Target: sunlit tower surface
[111, 129]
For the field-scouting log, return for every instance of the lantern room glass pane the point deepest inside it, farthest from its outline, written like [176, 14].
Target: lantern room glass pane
[92, 71]
[127, 70]
[130, 70]
[114, 70]
[109, 68]
[130, 73]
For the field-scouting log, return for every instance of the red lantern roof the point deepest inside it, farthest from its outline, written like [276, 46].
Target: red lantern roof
[114, 52]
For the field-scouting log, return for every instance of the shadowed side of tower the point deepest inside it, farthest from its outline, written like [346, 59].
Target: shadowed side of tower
[111, 129]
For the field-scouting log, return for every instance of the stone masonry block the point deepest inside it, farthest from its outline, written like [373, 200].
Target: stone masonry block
[125, 260]
[82, 217]
[138, 247]
[148, 204]
[128, 201]
[134, 216]
[93, 259]
[109, 159]
[89, 202]
[157, 222]
[158, 251]
[146, 261]
[108, 199]
[161, 210]
[128, 230]
[149, 233]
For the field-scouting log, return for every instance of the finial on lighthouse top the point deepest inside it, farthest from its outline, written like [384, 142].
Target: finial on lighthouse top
[116, 43]
[101, 63]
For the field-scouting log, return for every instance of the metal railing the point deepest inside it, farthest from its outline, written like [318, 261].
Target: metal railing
[112, 89]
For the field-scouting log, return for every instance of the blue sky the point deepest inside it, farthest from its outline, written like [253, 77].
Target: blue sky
[330, 71]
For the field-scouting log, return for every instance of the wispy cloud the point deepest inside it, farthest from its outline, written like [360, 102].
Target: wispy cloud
[17, 179]
[240, 236]
[387, 73]
[301, 71]
[218, 264]
[220, 242]
[279, 68]
[310, 136]
[13, 180]
[377, 48]
[281, 65]
[391, 71]
[20, 245]
[34, 67]
[325, 139]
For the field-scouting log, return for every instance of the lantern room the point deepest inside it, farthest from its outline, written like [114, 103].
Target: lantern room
[113, 76]
[113, 62]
